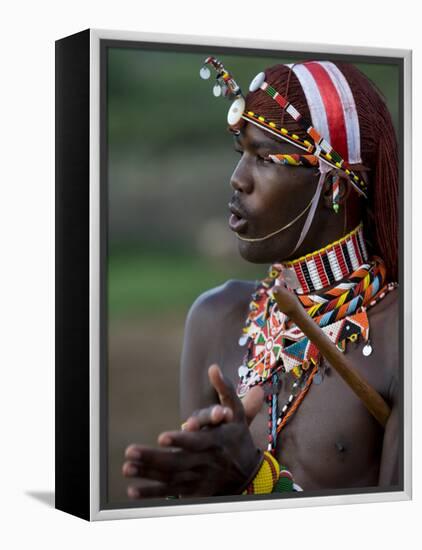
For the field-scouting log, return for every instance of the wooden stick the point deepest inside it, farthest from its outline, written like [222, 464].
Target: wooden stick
[289, 304]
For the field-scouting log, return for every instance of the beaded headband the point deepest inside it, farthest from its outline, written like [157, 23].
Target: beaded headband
[331, 105]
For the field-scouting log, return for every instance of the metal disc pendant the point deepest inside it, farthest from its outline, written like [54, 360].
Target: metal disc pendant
[236, 111]
[243, 340]
[205, 73]
[367, 350]
[217, 90]
[257, 82]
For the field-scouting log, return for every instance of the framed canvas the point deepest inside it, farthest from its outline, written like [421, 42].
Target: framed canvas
[233, 291]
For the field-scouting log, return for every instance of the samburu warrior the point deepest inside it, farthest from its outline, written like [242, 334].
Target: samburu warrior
[315, 196]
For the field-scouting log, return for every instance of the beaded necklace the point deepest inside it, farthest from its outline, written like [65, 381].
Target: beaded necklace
[277, 347]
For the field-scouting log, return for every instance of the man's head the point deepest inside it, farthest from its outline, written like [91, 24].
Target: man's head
[270, 202]
[347, 110]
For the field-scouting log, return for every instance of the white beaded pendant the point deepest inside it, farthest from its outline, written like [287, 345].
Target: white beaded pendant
[257, 82]
[236, 111]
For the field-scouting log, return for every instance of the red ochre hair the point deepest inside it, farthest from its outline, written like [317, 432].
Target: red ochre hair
[378, 143]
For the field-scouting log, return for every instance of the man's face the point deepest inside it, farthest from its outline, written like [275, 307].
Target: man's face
[268, 196]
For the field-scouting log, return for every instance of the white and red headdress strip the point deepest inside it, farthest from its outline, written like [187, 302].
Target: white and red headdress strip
[332, 107]
[334, 123]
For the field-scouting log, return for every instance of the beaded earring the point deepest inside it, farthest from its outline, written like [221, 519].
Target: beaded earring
[335, 193]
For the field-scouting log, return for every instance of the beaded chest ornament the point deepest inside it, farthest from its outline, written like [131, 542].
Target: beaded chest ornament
[277, 347]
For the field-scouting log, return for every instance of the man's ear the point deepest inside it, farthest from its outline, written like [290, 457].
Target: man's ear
[329, 183]
[365, 176]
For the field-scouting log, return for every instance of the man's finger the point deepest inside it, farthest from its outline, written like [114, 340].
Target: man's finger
[226, 392]
[151, 472]
[210, 416]
[150, 490]
[158, 489]
[197, 441]
[166, 460]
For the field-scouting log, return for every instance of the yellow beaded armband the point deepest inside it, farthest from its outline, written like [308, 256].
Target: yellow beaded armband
[266, 477]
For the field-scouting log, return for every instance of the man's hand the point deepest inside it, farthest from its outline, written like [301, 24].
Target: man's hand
[213, 454]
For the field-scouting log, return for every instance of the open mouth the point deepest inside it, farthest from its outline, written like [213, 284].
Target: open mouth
[237, 222]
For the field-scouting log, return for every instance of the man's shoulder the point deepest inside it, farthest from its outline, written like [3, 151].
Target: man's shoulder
[222, 300]
[214, 320]
[384, 335]
[387, 309]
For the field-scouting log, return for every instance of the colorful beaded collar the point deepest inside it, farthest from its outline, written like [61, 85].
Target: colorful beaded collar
[326, 266]
[275, 343]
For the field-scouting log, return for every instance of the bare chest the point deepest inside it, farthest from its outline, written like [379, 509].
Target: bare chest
[331, 441]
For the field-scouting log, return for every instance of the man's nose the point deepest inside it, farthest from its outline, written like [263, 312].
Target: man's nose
[242, 179]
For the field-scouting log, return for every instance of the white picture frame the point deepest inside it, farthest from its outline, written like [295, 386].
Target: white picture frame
[88, 50]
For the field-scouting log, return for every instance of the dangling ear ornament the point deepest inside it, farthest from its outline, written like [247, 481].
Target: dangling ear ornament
[225, 86]
[204, 73]
[336, 192]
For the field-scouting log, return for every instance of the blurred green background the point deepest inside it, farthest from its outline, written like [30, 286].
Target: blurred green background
[169, 165]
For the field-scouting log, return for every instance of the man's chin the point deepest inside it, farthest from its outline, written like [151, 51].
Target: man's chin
[259, 252]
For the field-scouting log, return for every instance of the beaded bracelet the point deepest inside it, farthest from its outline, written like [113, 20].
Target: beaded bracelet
[271, 477]
[265, 478]
[254, 473]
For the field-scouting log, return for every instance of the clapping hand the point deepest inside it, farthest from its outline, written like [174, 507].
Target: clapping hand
[213, 454]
